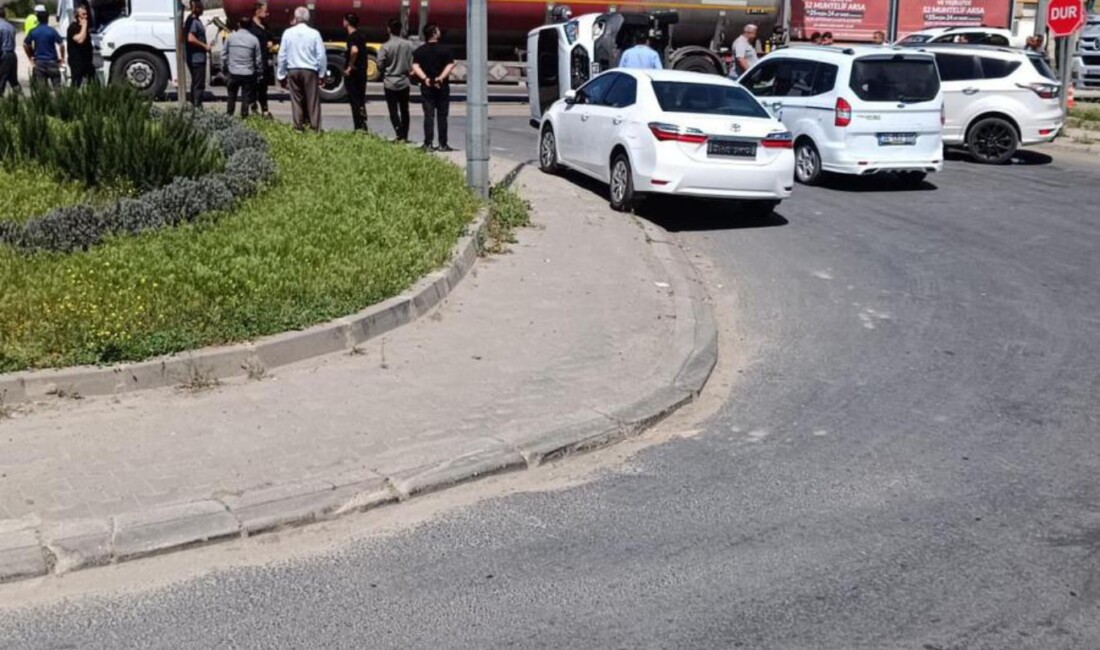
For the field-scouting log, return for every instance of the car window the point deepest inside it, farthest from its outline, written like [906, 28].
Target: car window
[795, 78]
[825, 80]
[995, 39]
[1042, 67]
[761, 80]
[593, 92]
[898, 78]
[997, 68]
[958, 67]
[914, 38]
[706, 99]
[624, 93]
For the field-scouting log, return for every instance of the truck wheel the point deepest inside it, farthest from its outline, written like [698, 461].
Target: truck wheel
[334, 89]
[697, 63]
[145, 72]
[374, 73]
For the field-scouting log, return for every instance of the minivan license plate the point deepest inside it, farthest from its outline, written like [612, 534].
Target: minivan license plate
[892, 139]
[731, 148]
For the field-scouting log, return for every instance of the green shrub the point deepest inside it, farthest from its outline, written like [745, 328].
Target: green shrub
[351, 221]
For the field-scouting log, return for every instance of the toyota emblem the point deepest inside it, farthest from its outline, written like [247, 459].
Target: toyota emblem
[736, 128]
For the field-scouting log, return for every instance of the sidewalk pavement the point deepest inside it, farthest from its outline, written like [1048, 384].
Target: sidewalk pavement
[590, 329]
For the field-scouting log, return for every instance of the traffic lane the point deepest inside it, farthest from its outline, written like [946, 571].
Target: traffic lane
[907, 460]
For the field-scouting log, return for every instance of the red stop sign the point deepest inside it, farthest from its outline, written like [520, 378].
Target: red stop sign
[1065, 17]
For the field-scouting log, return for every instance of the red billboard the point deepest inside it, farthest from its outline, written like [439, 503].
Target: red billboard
[848, 20]
[915, 15]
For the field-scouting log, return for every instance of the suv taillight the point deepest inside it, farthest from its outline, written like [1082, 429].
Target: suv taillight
[780, 140]
[1044, 91]
[665, 132]
[843, 112]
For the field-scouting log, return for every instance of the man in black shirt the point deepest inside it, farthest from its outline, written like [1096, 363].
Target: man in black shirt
[196, 48]
[80, 49]
[258, 27]
[432, 66]
[355, 74]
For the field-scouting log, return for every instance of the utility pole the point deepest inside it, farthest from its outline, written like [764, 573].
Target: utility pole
[477, 98]
[177, 20]
[1041, 20]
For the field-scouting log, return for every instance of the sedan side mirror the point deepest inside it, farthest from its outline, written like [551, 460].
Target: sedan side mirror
[570, 97]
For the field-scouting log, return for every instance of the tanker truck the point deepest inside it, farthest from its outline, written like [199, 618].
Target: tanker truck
[136, 38]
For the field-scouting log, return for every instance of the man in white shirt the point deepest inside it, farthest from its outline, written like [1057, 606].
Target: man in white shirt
[302, 63]
[744, 51]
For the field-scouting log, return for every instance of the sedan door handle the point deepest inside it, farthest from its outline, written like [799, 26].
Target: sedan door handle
[970, 91]
[584, 117]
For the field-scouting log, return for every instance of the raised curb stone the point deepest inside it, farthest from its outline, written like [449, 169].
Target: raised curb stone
[79, 543]
[168, 527]
[20, 553]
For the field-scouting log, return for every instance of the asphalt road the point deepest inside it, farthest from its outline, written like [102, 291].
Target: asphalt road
[907, 458]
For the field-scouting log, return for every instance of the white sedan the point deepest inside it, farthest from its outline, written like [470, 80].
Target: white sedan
[670, 132]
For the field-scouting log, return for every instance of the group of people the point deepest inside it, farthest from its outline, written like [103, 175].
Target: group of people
[47, 49]
[251, 64]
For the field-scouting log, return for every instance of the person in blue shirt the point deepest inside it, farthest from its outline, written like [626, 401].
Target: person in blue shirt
[641, 56]
[46, 50]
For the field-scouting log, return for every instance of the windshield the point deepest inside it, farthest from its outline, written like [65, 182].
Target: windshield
[1042, 67]
[896, 79]
[706, 99]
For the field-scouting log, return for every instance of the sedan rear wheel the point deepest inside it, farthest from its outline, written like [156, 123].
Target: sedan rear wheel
[807, 163]
[622, 184]
[548, 152]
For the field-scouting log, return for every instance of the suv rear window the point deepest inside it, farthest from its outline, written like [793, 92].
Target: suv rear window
[706, 99]
[997, 68]
[895, 79]
[1042, 67]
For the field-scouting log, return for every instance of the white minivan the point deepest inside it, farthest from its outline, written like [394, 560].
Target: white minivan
[855, 110]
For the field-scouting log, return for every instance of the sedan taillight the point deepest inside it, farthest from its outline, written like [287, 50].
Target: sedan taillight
[1044, 91]
[780, 140]
[665, 132]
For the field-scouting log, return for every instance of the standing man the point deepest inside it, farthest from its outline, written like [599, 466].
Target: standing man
[46, 50]
[641, 55]
[196, 49]
[258, 28]
[396, 57]
[878, 38]
[815, 38]
[827, 38]
[242, 58]
[744, 51]
[81, 68]
[355, 74]
[9, 63]
[432, 66]
[302, 63]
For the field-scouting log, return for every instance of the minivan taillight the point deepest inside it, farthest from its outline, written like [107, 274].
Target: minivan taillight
[665, 132]
[1044, 91]
[781, 140]
[843, 112]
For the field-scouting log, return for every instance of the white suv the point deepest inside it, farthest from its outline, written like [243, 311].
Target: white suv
[996, 99]
[856, 110]
[964, 35]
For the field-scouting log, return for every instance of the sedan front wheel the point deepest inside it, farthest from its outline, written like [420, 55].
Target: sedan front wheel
[548, 152]
[622, 184]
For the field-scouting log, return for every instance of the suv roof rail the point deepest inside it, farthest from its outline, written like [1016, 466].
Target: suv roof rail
[972, 46]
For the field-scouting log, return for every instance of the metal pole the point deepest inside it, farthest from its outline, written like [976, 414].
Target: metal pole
[477, 98]
[1041, 18]
[181, 81]
[892, 22]
[1064, 70]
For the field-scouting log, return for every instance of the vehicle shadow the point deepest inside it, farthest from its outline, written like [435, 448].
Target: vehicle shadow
[684, 214]
[1021, 157]
[872, 183]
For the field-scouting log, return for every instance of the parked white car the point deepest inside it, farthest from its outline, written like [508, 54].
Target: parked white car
[857, 110]
[972, 35]
[996, 99]
[670, 132]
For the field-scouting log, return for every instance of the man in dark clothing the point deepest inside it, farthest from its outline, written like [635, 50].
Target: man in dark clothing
[395, 59]
[196, 50]
[243, 60]
[46, 50]
[258, 27]
[9, 62]
[355, 74]
[81, 68]
[432, 66]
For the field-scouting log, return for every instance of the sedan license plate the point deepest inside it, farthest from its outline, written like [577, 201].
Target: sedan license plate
[894, 139]
[731, 148]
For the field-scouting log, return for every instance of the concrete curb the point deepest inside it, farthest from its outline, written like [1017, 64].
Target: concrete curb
[222, 362]
[31, 549]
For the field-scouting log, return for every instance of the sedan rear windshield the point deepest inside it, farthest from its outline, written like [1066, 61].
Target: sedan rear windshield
[706, 99]
[895, 79]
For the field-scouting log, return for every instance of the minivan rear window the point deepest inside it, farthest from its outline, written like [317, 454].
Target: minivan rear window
[895, 79]
[706, 99]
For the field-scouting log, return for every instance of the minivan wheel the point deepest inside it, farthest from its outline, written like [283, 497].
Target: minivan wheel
[548, 152]
[807, 163]
[622, 184]
[992, 141]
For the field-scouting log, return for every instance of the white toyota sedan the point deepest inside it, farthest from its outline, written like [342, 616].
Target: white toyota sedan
[670, 132]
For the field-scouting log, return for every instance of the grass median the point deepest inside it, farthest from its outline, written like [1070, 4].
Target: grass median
[352, 220]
